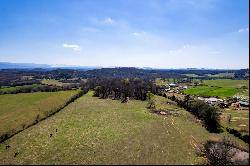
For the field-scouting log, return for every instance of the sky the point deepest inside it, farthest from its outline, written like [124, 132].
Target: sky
[128, 33]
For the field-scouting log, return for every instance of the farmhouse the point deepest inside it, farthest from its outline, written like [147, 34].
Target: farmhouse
[182, 87]
[214, 101]
[211, 100]
[172, 85]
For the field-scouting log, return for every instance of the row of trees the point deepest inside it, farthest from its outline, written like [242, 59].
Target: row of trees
[115, 88]
[35, 88]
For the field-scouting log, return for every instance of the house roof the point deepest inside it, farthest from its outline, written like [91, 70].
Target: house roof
[172, 84]
[212, 99]
[243, 103]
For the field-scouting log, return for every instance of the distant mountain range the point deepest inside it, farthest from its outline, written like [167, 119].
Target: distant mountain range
[8, 65]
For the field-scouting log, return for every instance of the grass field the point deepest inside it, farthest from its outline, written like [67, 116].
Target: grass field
[227, 83]
[98, 131]
[20, 110]
[211, 91]
[53, 82]
[13, 89]
[221, 88]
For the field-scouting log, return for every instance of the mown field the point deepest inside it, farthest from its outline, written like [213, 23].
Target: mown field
[105, 131]
[20, 110]
[221, 88]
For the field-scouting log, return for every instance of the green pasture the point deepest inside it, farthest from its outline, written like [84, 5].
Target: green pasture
[20, 110]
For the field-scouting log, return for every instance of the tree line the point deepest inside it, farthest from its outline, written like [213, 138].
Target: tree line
[116, 88]
[35, 88]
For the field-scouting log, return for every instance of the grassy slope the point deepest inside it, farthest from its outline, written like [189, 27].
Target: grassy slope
[21, 109]
[97, 131]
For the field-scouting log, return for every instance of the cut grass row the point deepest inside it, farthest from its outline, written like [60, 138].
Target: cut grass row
[19, 111]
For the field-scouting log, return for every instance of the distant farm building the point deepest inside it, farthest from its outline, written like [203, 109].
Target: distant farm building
[172, 85]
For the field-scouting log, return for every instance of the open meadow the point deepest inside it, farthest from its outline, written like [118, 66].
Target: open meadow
[221, 88]
[18, 111]
[106, 131]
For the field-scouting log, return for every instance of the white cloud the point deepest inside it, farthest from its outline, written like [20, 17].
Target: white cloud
[139, 33]
[105, 21]
[74, 47]
[108, 20]
[135, 34]
[243, 30]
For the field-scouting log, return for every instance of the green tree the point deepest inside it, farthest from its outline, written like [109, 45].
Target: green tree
[151, 100]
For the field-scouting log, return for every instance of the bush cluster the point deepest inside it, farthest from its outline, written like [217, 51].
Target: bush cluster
[238, 134]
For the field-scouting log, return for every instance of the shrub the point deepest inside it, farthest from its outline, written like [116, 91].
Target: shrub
[219, 153]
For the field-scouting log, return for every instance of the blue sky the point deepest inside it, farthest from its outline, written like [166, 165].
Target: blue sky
[139, 33]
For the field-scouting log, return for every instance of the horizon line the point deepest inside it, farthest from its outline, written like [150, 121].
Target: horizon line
[58, 66]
